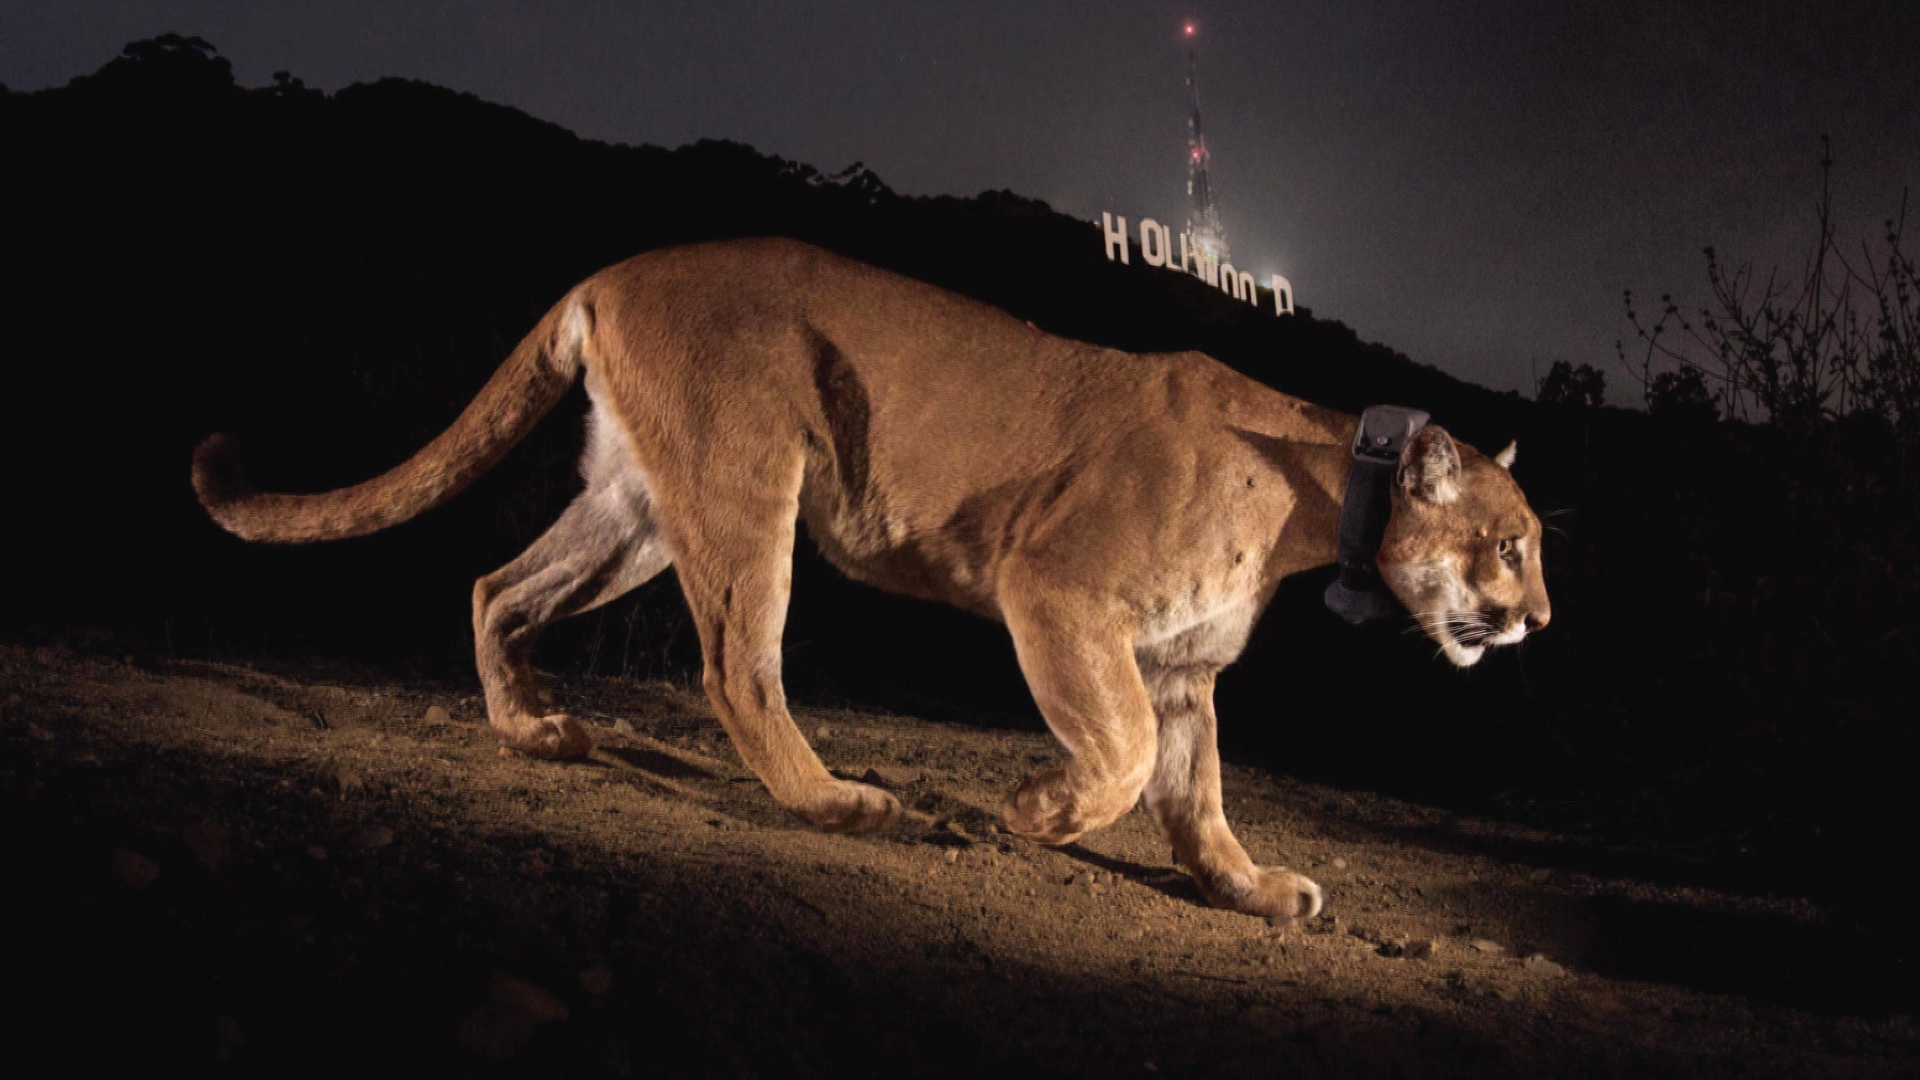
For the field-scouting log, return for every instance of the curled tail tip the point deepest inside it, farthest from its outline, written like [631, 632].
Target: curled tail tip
[216, 471]
[219, 481]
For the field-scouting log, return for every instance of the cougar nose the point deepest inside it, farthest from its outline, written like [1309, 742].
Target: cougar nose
[1537, 621]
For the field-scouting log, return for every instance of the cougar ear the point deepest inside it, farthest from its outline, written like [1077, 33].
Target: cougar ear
[1430, 466]
[1504, 458]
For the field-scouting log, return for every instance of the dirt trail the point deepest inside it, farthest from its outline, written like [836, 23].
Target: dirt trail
[321, 869]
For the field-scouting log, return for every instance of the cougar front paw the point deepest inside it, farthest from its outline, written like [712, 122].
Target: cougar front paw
[847, 806]
[554, 737]
[1274, 893]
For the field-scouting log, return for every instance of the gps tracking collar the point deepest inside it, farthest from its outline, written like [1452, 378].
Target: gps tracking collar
[1359, 595]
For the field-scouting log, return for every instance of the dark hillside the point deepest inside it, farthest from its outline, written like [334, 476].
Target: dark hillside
[1724, 693]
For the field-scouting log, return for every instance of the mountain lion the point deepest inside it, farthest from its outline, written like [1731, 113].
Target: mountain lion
[1126, 516]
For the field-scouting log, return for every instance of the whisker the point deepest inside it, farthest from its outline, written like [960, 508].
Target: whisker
[1451, 613]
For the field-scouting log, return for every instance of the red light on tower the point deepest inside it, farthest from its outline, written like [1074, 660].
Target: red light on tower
[1189, 29]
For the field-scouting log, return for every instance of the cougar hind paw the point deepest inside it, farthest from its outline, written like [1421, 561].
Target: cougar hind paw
[554, 738]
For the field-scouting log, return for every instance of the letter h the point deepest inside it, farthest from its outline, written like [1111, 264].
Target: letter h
[1114, 236]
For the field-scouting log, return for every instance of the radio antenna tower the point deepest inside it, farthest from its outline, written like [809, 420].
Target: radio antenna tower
[1204, 223]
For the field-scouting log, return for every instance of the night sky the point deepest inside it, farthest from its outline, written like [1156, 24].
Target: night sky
[1472, 182]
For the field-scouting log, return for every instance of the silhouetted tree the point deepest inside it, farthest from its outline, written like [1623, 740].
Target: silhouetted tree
[1583, 387]
[1681, 395]
[182, 63]
[1842, 341]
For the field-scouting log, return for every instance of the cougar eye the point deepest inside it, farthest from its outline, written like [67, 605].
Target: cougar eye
[1508, 548]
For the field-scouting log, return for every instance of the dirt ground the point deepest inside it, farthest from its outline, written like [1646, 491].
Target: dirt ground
[316, 869]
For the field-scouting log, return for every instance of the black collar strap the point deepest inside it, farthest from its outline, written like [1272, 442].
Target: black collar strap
[1359, 595]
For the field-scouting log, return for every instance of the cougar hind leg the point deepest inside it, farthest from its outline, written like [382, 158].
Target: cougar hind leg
[736, 567]
[606, 544]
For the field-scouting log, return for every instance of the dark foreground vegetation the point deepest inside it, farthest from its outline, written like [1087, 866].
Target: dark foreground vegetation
[1724, 697]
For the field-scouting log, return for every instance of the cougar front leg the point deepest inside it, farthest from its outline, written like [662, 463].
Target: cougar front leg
[1184, 796]
[1078, 660]
[603, 546]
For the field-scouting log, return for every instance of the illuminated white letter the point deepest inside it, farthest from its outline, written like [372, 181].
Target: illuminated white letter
[1115, 237]
[1188, 254]
[1153, 242]
[1247, 290]
[1282, 296]
[1229, 282]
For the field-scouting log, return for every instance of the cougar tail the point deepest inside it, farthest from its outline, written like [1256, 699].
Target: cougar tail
[523, 390]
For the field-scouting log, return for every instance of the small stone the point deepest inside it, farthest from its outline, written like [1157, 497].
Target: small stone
[83, 759]
[504, 1024]
[316, 853]
[888, 776]
[372, 837]
[207, 841]
[1339, 863]
[953, 854]
[1074, 879]
[1540, 965]
[437, 715]
[134, 870]
[624, 726]
[1486, 946]
[338, 779]
[1393, 947]
[508, 752]
[823, 732]
[1421, 949]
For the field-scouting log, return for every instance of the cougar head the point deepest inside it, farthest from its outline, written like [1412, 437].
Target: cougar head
[1462, 547]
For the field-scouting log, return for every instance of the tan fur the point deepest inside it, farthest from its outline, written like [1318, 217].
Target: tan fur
[1462, 549]
[1126, 516]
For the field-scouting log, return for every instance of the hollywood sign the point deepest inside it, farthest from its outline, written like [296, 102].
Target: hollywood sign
[1156, 249]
